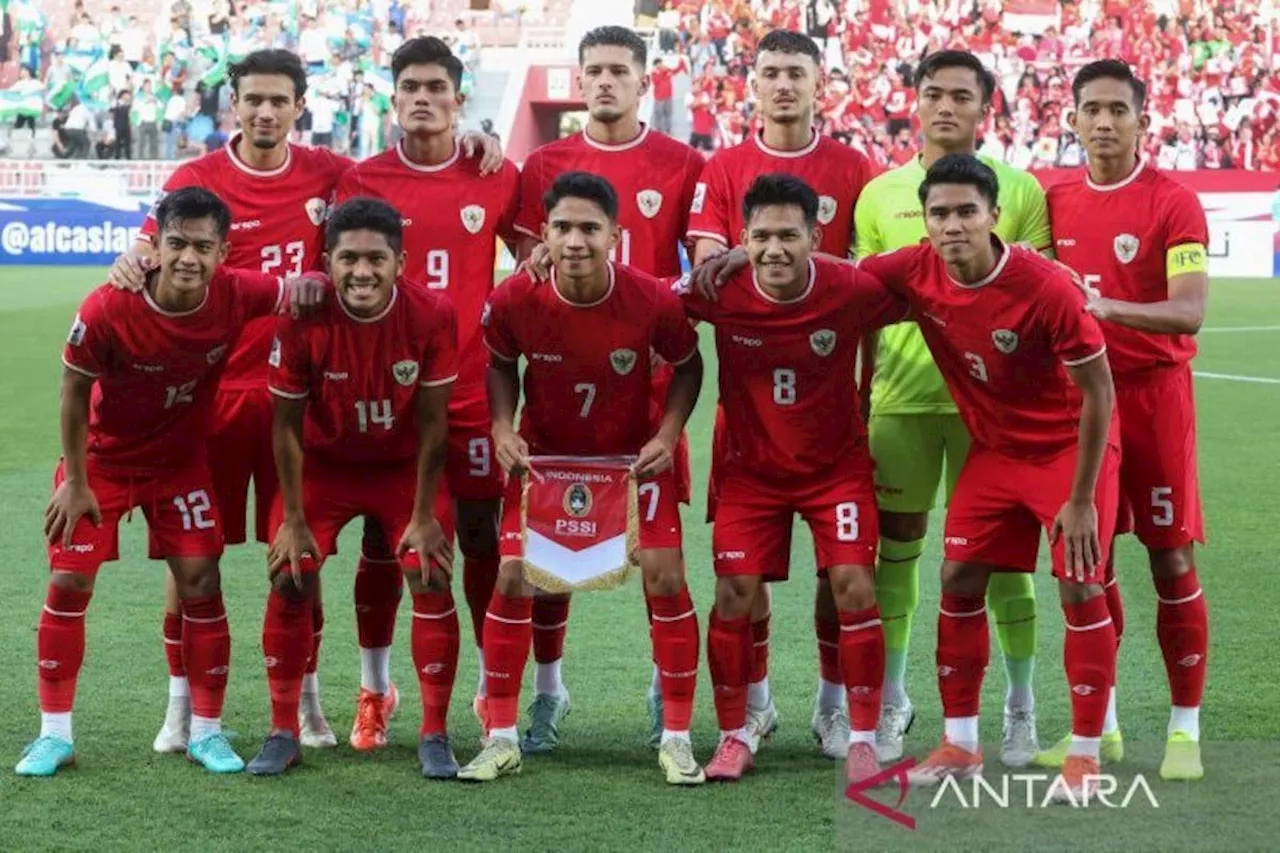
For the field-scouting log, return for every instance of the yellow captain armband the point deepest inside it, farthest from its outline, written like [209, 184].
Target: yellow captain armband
[1186, 258]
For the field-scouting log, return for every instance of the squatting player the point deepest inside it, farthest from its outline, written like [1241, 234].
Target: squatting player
[137, 400]
[593, 316]
[362, 390]
[914, 425]
[787, 336]
[1138, 240]
[453, 217]
[787, 79]
[655, 177]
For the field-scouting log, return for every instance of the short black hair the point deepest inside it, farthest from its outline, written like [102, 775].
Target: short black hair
[935, 62]
[615, 37]
[1109, 69]
[271, 61]
[781, 189]
[364, 214]
[962, 169]
[193, 203]
[789, 41]
[586, 186]
[427, 50]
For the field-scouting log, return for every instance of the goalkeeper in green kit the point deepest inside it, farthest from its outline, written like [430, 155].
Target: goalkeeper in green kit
[915, 431]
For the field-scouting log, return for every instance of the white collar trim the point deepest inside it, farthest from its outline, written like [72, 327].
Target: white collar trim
[792, 301]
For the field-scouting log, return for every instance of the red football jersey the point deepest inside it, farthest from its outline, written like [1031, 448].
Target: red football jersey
[1001, 344]
[654, 176]
[788, 369]
[588, 374]
[277, 227]
[453, 219]
[837, 173]
[157, 370]
[360, 375]
[1118, 237]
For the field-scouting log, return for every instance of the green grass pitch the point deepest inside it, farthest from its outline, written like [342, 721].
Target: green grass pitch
[602, 790]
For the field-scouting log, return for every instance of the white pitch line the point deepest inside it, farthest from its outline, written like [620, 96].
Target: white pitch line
[1241, 329]
[1231, 377]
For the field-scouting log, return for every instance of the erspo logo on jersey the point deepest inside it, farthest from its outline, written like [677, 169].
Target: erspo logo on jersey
[25, 239]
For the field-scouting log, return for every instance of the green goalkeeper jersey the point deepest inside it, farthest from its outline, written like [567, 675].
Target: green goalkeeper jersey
[889, 216]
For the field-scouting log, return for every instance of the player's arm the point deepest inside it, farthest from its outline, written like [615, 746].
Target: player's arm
[527, 222]
[1182, 313]
[502, 382]
[424, 535]
[1033, 221]
[867, 242]
[73, 498]
[675, 342]
[1078, 521]
[288, 382]
[709, 214]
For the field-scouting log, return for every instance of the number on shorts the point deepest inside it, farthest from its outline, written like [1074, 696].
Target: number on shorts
[847, 522]
[438, 269]
[589, 390]
[1162, 506]
[651, 492]
[287, 258]
[373, 412]
[478, 456]
[184, 393]
[977, 367]
[784, 386]
[193, 508]
[621, 253]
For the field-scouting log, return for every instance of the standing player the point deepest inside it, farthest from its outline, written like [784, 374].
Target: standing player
[361, 391]
[453, 217]
[914, 425]
[787, 79]
[1027, 367]
[1138, 241]
[586, 334]
[137, 395]
[655, 177]
[787, 334]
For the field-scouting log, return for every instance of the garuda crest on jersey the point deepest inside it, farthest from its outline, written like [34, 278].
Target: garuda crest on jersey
[1005, 340]
[823, 342]
[827, 207]
[317, 211]
[623, 361]
[1126, 246]
[650, 202]
[405, 372]
[473, 218]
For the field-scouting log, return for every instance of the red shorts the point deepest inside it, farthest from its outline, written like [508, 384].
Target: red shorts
[333, 495]
[182, 519]
[752, 534]
[471, 469]
[240, 450]
[658, 506]
[1001, 505]
[1158, 477]
[714, 475]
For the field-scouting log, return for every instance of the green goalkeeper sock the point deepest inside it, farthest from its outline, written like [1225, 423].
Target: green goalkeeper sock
[1011, 598]
[897, 593]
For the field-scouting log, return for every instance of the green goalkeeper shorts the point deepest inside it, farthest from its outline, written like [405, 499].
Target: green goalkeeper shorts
[910, 453]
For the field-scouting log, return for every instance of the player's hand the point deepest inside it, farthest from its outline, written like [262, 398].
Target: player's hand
[1077, 525]
[655, 457]
[1098, 305]
[129, 272]
[474, 142]
[538, 264]
[70, 503]
[306, 293]
[293, 544]
[425, 537]
[714, 272]
[512, 452]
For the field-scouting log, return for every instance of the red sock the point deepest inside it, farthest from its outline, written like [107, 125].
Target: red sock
[964, 648]
[206, 653]
[675, 649]
[729, 658]
[317, 634]
[760, 650]
[286, 642]
[828, 650]
[435, 639]
[60, 647]
[173, 644]
[379, 584]
[479, 574]
[862, 661]
[508, 625]
[1182, 626]
[550, 621]
[1089, 655]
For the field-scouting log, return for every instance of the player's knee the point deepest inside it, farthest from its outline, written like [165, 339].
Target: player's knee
[852, 587]
[71, 581]
[307, 588]
[825, 605]
[663, 570]
[1170, 563]
[511, 579]
[762, 604]
[1071, 592]
[903, 526]
[196, 577]
[968, 580]
[477, 528]
[734, 596]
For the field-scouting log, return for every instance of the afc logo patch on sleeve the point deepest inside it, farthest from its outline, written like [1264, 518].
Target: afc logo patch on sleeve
[76, 335]
[274, 358]
[484, 315]
[699, 198]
